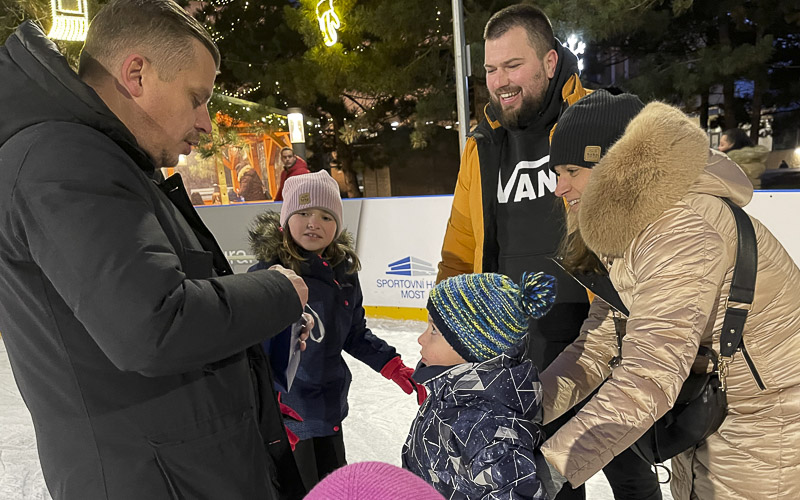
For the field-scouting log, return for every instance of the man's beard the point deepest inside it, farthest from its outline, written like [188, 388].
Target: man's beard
[524, 114]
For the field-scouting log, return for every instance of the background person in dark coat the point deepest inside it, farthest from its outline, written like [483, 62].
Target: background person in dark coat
[250, 186]
[128, 335]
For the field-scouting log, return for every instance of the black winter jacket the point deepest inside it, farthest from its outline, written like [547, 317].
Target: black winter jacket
[533, 227]
[127, 333]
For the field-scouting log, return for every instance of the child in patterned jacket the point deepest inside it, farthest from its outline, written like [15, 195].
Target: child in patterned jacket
[477, 435]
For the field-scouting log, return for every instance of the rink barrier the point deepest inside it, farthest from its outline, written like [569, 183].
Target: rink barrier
[406, 313]
[399, 242]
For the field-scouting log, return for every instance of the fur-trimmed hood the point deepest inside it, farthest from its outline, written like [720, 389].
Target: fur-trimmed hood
[661, 157]
[266, 237]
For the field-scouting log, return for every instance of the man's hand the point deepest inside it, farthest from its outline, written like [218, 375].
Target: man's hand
[298, 283]
[308, 325]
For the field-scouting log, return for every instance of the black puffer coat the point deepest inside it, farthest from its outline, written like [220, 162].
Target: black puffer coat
[128, 334]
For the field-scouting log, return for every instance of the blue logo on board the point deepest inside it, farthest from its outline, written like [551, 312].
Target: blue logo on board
[411, 266]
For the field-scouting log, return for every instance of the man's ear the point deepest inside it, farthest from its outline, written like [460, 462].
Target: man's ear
[131, 74]
[550, 62]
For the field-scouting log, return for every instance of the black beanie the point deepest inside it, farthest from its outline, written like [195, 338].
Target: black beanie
[589, 127]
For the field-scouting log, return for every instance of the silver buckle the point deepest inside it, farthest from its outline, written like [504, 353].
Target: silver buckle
[748, 307]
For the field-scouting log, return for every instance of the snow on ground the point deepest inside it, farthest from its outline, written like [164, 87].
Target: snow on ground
[20, 474]
[380, 416]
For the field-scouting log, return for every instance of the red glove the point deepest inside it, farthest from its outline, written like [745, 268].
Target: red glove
[287, 411]
[400, 374]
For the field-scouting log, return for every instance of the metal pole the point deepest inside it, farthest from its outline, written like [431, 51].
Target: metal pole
[461, 73]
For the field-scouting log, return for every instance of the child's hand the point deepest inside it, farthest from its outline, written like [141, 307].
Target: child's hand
[298, 283]
[396, 371]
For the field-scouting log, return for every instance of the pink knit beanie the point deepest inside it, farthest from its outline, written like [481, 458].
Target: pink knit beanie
[372, 481]
[306, 191]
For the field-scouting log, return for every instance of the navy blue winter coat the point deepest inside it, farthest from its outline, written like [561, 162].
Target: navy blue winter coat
[477, 436]
[320, 387]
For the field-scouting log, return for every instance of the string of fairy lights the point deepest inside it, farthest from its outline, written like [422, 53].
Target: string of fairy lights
[329, 25]
[253, 113]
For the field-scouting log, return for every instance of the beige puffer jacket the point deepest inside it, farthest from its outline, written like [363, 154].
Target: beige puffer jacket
[651, 208]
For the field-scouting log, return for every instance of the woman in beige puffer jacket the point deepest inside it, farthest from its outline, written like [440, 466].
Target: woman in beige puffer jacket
[651, 211]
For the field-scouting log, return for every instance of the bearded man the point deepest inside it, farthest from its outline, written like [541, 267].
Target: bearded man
[505, 217]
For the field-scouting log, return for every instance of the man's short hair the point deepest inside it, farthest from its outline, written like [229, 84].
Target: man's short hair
[532, 19]
[738, 138]
[286, 148]
[161, 28]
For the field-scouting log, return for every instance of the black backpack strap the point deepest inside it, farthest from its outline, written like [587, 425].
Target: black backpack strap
[743, 285]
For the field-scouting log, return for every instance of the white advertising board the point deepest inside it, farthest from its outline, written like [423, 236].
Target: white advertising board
[399, 244]
[779, 211]
[399, 240]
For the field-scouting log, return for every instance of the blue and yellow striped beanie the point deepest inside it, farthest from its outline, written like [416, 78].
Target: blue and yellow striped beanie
[483, 315]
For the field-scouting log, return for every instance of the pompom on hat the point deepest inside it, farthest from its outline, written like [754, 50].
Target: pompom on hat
[315, 190]
[372, 481]
[588, 128]
[483, 315]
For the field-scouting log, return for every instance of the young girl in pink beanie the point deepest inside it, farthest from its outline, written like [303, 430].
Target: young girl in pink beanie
[308, 238]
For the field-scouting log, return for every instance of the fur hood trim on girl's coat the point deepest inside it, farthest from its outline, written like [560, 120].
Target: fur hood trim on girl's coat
[266, 237]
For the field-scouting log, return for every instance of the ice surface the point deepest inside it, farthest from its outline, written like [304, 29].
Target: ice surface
[380, 415]
[20, 474]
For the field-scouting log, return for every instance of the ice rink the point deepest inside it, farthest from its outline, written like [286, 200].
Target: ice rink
[380, 415]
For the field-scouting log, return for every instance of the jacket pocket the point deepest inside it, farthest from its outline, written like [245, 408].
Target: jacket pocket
[197, 264]
[229, 463]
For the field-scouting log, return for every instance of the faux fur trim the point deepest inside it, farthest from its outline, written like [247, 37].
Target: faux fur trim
[266, 237]
[647, 171]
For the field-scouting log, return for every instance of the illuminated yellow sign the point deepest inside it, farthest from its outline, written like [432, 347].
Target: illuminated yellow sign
[328, 21]
[70, 20]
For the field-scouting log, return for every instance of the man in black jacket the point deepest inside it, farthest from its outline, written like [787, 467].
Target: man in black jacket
[128, 334]
[505, 217]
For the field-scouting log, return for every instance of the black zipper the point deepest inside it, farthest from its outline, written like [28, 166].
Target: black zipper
[752, 367]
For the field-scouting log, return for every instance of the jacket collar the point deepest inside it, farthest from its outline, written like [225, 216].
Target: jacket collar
[266, 236]
[505, 380]
[39, 86]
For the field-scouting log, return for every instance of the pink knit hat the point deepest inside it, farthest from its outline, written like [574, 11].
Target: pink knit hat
[372, 481]
[317, 190]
